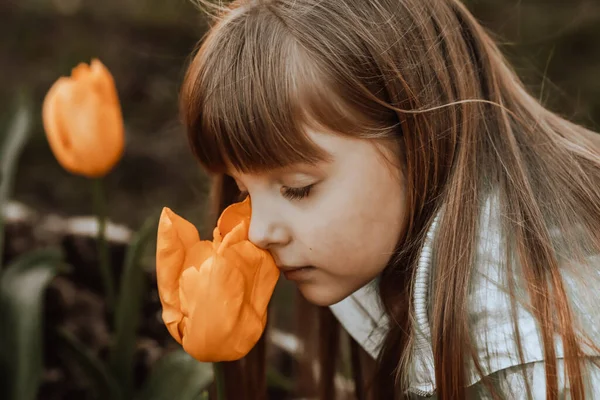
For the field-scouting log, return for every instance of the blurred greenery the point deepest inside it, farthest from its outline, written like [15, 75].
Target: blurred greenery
[176, 376]
[14, 139]
[129, 308]
[21, 316]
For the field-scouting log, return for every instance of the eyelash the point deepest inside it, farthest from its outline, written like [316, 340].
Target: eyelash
[290, 193]
[297, 193]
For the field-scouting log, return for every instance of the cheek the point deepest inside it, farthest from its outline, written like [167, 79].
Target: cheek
[359, 239]
[344, 242]
[328, 236]
[354, 230]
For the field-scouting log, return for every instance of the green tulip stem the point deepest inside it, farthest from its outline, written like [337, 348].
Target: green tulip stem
[220, 380]
[103, 254]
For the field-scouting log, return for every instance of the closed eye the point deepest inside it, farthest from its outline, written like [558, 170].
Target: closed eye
[288, 192]
[297, 193]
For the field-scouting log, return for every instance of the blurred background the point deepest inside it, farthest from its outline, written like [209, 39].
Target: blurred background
[146, 44]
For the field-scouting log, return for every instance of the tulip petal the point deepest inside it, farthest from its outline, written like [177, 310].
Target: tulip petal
[175, 327]
[238, 234]
[86, 122]
[218, 292]
[96, 128]
[253, 328]
[260, 277]
[187, 290]
[173, 237]
[80, 72]
[186, 231]
[217, 237]
[233, 215]
[198, 253]
[103, 81]
[53, 119]
[260, 273]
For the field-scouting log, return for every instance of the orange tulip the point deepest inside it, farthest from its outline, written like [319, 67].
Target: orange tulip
[83, 121]
[214, 294]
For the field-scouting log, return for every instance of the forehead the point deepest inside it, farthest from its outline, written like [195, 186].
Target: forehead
[339, 146]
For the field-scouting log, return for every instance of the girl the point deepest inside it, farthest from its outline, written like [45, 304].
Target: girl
[404, 179]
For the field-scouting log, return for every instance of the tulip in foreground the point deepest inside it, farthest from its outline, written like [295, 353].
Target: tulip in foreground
[83, 121]
[214, 294]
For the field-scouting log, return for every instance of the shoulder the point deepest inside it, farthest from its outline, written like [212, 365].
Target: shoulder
[513, 382]
[497, 327]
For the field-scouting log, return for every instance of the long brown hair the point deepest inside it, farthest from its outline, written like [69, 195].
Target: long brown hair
[425, 74]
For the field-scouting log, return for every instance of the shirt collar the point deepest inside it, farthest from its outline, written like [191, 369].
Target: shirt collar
[363, 317]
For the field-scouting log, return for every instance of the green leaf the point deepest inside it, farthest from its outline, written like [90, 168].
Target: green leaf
[177, 376]
[12, 147]
[100, 377]
[129, 308]
[22, 289]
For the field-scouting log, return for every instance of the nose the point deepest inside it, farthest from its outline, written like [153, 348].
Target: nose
[267, 229]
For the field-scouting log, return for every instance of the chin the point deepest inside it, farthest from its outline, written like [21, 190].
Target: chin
[322, 296]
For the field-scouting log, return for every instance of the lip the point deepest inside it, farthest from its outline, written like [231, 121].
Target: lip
[297, 273]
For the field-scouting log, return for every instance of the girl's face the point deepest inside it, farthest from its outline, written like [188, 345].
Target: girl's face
[340, 219]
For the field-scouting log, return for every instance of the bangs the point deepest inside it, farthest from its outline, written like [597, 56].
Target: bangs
[252, 92]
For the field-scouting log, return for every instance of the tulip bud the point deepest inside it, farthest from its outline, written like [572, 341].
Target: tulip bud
[83, 121]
